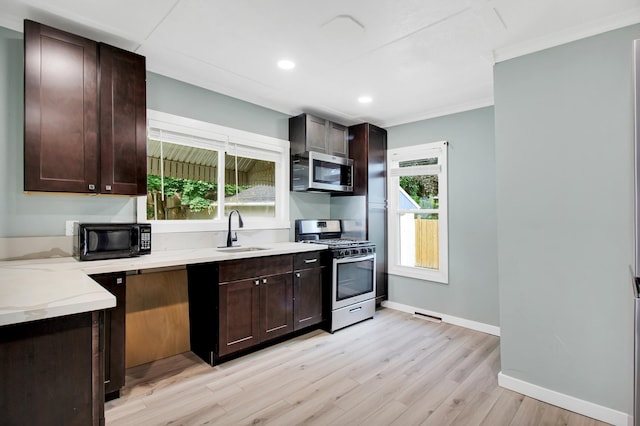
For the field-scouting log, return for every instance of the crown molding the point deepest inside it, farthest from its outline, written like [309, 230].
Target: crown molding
[578, 32]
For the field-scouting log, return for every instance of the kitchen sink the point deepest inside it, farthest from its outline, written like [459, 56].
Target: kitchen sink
[240, 249]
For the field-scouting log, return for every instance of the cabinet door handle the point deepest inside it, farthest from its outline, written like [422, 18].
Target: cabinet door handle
[107, 187]
[310, 260]
[92, 187]
[257, 282]
[298, 274]
[264, 281]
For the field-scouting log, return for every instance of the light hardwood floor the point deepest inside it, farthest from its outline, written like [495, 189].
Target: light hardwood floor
[392, 370]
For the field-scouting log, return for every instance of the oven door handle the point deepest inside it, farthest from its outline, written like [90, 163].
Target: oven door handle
[350, 259]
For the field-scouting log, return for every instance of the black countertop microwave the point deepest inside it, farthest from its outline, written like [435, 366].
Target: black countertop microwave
[96, 241]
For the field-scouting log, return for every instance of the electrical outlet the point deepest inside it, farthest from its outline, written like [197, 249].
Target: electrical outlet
[69, 225]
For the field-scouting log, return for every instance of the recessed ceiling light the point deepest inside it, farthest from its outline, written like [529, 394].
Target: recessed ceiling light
[365, 99]
[286, 64]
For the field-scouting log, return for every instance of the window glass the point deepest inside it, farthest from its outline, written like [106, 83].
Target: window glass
[198, 172]
[252, 186]
[417, 212]
[181, 182]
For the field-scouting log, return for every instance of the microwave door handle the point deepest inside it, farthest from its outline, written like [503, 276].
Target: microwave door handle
[134, 237]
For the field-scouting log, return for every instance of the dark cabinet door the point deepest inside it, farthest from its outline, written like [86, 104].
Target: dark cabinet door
[377, 234]
[114, 333]
[276, 306]
[315, 134]
[337, 139]
[368, 145]
[60, 111]
[85, 115]
[311, 133]
[123, 122]
[307, 294]
[377, 165]
[239, 315]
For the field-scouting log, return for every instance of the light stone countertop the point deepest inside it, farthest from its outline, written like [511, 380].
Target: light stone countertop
[46, 288]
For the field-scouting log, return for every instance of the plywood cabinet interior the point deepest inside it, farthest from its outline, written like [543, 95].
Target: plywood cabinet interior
[85, 115]
[157, 316]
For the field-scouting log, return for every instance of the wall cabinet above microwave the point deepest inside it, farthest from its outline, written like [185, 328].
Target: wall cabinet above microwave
[311, 133]
[85, 115]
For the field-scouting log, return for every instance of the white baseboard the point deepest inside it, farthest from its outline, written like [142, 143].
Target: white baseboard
[589, 409]
[473, 325]
[558, 399]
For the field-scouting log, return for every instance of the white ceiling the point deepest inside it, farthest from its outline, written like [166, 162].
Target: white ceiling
[416, 58]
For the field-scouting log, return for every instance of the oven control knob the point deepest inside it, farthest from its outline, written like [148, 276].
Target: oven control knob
[340, 253]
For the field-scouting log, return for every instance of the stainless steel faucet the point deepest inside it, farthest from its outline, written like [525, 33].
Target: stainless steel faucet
[230, 239]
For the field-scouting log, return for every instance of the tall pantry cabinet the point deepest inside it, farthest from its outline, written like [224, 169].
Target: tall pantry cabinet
[368, 148]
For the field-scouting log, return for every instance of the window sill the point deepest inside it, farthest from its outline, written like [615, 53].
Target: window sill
[420, 274]
[195, 226]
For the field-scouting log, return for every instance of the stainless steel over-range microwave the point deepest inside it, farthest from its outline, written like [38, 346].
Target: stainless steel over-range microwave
[95, 241]
[316, 171]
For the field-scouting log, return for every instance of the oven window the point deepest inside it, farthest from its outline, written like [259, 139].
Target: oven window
[354, 278]
[103, 240]
[325, 172]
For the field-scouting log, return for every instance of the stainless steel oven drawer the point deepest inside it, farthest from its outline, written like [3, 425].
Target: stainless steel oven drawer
[351, 314]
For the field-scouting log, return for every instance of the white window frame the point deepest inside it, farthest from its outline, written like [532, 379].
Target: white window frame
[394, 157]
[234, 142]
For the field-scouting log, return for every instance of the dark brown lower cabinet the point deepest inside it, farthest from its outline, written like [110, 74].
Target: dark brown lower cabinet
[308, 289]
[114, 333]
[52, 371]
[239, 316]
[256, 301]
[239, 304]
[253, 311]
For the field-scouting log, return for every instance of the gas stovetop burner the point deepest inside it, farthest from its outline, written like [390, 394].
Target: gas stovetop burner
[331, 233]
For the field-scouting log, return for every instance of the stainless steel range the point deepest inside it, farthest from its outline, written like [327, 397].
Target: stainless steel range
[353, 271]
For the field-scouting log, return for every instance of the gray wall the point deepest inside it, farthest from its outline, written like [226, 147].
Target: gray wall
[565, 202]
[26, 215]
[472, 291]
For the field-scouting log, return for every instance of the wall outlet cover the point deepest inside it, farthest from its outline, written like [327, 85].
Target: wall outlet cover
[69, 225]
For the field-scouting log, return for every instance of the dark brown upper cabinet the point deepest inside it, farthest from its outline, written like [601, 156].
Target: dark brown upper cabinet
[85, 115]
[311, 133]
[123, 122]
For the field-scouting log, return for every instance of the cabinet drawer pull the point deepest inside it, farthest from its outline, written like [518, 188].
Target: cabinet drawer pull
[92, 187]
[264, 281]
[310, 260]
[298, 274]
[257, 282]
